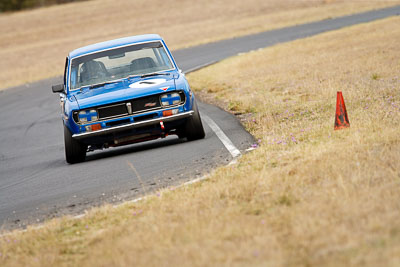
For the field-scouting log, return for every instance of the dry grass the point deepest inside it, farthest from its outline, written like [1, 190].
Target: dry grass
[308, 196]
[33, 44]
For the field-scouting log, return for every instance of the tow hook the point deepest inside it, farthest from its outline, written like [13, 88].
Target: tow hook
[163, 135]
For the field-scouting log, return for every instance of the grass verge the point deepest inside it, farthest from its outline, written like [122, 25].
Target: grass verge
[34, 44]
[308, 196]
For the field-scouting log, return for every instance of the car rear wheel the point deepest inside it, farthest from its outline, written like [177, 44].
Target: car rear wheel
[194, 128]
[74, 150]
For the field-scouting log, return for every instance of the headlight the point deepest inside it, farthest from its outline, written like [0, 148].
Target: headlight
[82, 116]
[93, 115]
[170, 99]
[88, 116]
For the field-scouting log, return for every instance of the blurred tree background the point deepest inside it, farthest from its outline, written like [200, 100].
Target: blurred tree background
[15, 5]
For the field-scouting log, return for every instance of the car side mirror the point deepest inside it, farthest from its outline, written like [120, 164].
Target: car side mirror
[59, 88]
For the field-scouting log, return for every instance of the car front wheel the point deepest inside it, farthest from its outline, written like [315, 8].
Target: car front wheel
[74, 150]
[194, 128]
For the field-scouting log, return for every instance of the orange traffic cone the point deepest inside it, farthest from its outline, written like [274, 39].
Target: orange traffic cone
[341, 119]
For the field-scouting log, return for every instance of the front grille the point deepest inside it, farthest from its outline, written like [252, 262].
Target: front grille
[137, 105]
[113, 111]
[120, 122]
[145, 117]
[145, 103]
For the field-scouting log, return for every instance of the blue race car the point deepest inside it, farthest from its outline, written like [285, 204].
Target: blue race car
[124, 91]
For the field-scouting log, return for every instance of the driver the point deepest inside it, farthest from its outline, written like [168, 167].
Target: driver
[91, 70]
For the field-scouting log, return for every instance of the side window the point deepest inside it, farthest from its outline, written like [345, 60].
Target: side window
[65, 71]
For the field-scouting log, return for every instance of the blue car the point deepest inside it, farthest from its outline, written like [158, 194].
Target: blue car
[124, 91]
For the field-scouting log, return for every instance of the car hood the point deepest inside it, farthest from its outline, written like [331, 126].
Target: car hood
[124, 90]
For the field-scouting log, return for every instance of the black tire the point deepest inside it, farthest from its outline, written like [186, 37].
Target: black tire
[75, 151]
[194, 128]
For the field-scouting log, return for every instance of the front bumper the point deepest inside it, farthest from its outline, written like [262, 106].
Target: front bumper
[132, 125]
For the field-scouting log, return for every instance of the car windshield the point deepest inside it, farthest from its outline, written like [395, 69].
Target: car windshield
[118, 63]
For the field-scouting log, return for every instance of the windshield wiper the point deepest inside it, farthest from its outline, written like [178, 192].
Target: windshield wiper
[102, 84]
[154, 74]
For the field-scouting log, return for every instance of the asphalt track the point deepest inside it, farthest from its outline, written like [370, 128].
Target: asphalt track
[36, 183]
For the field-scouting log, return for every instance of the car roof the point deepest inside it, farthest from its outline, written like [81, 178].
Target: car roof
[114, 43]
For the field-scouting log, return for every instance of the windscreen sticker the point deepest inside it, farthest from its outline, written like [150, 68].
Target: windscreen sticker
[147, 83]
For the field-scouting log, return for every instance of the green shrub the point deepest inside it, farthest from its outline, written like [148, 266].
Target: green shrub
[15, 5]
